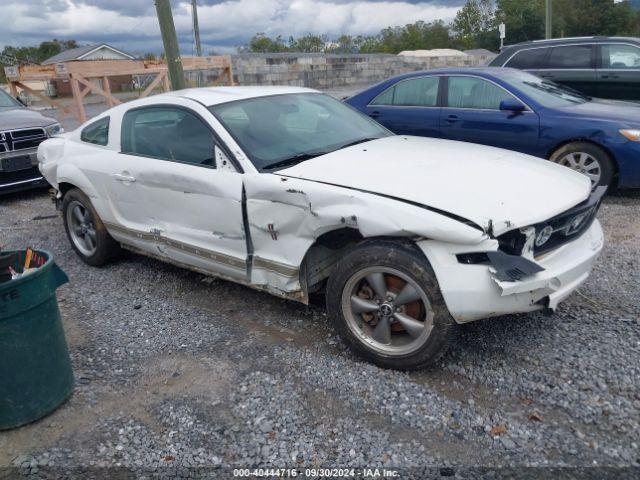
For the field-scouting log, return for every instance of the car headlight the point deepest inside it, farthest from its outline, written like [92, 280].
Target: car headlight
[53, 130]
[632, 134]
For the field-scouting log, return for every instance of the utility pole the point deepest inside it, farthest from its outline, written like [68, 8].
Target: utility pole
[548, 20]
[196, 35]
[196, 28]
[170, 41]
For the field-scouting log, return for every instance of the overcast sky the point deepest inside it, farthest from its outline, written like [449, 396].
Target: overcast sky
[224, 24]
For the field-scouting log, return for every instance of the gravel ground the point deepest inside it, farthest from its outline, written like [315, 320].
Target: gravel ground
[175, 370]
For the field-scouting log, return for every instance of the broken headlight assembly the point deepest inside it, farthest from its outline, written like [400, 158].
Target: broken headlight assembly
[509, 261]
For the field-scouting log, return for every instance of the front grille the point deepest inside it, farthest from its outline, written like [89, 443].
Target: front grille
[17, 176]
[565, 227]
[21, 139]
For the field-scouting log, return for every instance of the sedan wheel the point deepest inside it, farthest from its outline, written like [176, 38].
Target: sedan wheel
[588, 159]
[81, 228]
[388, 310]
[584, 163]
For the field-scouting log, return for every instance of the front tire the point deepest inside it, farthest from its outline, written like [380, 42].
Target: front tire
[85, 231]
[588, 159]
[384, 300]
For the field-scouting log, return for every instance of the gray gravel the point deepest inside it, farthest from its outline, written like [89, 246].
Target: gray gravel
[175, 371]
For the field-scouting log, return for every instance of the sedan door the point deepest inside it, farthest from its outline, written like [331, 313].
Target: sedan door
[192, 210]
[410, 107]
[619, 71]
[573, 66]
[472, 114]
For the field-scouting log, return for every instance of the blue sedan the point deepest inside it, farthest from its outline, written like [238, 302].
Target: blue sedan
[515, 110]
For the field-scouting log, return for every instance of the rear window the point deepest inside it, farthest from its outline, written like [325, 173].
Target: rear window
[620, 56]
[96, 132]
[528, 59]
[570, 56]
[416, 92]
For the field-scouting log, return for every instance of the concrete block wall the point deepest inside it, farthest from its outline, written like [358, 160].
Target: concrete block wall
[317, 70]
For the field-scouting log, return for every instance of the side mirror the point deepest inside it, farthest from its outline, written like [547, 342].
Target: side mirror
[512, 105]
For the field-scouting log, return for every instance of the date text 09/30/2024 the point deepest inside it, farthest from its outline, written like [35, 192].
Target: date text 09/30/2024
[316, 472]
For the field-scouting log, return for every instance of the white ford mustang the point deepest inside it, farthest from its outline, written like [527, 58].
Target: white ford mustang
[290, 191]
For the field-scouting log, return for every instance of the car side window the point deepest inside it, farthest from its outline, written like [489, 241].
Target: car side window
[96, 132]
[477, 93]
[570, 56]
[168, 133]
[528, 59]
[620, 56]
[416, 92]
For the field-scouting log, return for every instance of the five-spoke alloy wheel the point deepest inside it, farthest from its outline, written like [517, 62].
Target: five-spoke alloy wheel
[387, 310]
[81, 228]
[385, 301]
[86, 232]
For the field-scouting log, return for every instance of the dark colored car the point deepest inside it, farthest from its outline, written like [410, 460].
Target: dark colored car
[21, 131]
[515, 110]
[605, 67]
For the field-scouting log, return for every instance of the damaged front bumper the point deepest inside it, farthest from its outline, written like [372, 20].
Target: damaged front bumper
[475, 291]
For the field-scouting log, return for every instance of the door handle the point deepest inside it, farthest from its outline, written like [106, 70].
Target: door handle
[452, 118]
[123, 177]
[610, 76]
[374, 114]
[546, 75]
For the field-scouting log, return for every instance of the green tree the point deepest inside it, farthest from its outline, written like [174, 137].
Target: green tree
[415, 36]
[476, 18]
[524, 19]
[308, 43]
[260, 43]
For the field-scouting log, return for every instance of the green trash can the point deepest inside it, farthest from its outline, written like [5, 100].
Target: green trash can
[35, 368]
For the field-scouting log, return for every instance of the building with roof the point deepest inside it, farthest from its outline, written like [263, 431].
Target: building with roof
[89, 52]
[101, 51]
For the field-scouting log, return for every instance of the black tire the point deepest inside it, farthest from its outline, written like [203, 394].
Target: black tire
[607, 169]
[106, 248]
[406, 258]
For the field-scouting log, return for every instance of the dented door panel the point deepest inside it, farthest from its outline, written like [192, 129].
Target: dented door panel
[199, 216]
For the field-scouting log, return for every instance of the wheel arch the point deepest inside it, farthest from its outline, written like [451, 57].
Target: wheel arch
[323, 254]
[563, 143]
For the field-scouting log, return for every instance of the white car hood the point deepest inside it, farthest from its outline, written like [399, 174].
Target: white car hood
[495, 188]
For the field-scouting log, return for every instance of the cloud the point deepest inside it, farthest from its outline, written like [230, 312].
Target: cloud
[133, 26]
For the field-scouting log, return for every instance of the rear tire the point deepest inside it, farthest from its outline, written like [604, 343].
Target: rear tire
[420, 328]
[86, 232]
[588, 159]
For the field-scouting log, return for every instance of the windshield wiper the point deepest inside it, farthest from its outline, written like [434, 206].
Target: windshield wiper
[300, 157]
[356, 142]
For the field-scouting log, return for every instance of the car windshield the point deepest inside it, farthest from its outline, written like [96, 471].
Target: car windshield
[546, 93]
[282, 130]
[6, 101]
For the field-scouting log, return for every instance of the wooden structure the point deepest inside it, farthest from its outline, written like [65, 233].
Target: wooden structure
[80, 74]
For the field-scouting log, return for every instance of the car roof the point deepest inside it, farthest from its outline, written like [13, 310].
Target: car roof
[216, 95]
[571, 40]
[481, 71]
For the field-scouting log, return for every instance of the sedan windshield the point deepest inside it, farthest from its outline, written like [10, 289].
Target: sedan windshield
[546, 93]
[6, 101]
[282, 130]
